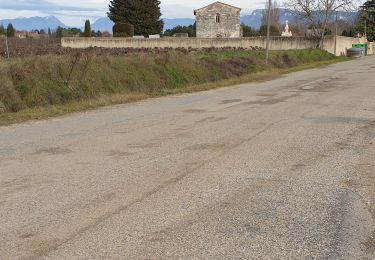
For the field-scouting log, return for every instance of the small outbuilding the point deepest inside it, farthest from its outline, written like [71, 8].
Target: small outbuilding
[218, 20]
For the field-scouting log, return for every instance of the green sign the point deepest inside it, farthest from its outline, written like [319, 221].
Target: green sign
[360, 46]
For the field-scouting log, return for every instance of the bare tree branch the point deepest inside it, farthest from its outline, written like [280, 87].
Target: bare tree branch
[318, 13]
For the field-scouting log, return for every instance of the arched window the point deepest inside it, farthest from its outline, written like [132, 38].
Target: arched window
[217, 18]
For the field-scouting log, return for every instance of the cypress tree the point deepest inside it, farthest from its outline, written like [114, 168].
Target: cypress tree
[87, 32]
[10, 30]
[2, 30]
[144, 15]
[59, 32]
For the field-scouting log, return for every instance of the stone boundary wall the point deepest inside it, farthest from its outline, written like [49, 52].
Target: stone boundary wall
[193, 43]
[344, 43]
[276, 43]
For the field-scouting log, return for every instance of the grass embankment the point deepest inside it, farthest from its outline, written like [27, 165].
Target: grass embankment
[45, 86]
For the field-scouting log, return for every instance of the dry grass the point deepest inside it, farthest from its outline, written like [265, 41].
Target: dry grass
[43, 87]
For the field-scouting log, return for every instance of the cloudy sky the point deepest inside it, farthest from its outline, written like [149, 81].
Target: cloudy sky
[75, 12]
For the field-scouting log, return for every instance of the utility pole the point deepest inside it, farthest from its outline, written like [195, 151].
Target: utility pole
[268, 31]
[335, 52]
[6, 45]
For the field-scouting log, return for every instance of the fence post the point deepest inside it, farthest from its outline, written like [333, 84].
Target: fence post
[6, 45]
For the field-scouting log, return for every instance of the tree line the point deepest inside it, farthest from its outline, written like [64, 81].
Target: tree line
[77, 32]
[9, 31]
[59, 32]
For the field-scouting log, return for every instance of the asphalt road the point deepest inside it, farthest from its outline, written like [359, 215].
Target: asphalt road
[283, 169]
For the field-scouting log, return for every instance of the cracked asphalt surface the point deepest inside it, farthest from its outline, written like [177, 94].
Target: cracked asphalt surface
[282, 169]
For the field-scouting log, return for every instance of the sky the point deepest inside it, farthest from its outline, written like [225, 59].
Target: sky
[75, 12]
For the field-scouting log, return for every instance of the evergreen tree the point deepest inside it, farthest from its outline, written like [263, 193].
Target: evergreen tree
[59, 32]
[10, 31]
[247, 31]
[348, 33]
[49, 33]
[144, 15]
[367, 16]
[87, 32]
[274, 31]
[190, 30]
[123, 30]
[96, 33]
[2, 30]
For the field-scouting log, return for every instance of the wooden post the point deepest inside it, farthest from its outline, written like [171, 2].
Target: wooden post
[6, 45]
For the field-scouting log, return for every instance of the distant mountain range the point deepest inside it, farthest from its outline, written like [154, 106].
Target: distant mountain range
[105, 24]
[102, 24]
[32, 23]
[171, 23]
[253, 19]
